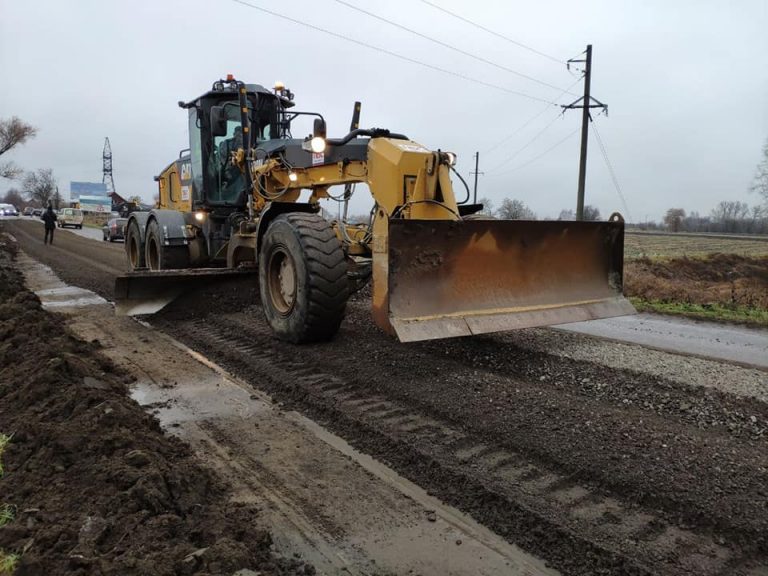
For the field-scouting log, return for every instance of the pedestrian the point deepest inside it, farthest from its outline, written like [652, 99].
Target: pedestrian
[49, 217]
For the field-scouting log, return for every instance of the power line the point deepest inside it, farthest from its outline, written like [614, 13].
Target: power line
[497, 34]
[449, 46]
[527, 122]
[393, 54]
[527, 144]
[611, 171]
[547, 151]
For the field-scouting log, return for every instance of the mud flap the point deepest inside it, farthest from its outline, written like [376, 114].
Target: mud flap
[458, 278]
[146, 292]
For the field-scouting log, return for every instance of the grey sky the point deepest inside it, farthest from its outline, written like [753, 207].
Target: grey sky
[686, 82]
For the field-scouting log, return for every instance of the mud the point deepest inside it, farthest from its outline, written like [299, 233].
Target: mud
[95, 485]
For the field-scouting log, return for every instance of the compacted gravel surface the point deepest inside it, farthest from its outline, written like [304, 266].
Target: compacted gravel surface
[600, 457]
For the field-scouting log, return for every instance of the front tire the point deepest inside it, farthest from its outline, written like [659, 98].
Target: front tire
[302, 278]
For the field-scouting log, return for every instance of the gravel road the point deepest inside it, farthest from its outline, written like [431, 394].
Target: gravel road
[601, 457]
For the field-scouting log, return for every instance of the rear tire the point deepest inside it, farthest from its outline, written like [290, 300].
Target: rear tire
[302, 278]
[160, 257]
[133, 246]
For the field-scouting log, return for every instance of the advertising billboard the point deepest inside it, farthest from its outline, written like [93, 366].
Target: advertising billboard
[78, 189]
[95, 204]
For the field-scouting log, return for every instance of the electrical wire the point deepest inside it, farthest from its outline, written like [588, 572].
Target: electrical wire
[489, 31]
[528, 122]
[449, 46]
[527, 144]
[611, 171]
[394, 54]
[547, 151]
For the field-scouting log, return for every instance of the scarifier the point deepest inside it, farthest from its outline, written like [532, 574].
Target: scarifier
[231, 204]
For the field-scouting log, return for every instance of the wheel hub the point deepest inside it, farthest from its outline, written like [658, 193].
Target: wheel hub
[282, 281]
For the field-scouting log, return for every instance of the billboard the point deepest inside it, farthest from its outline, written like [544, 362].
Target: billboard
[78, 189]
[95, 204]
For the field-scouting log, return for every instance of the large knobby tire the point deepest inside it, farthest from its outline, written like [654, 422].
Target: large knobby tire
[134, 249]
[160, 257]
[302, 278]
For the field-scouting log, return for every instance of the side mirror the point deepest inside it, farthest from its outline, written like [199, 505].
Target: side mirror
[318, 130]
[218, 121]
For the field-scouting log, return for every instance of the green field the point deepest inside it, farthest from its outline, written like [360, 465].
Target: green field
[643, 244]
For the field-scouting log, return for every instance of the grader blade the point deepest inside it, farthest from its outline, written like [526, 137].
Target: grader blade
[146, 292]
[457, 278]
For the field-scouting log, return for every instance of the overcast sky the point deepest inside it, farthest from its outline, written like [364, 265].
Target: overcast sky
[686, 83]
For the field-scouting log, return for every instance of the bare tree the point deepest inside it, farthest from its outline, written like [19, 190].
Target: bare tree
[591, 212]
[40, 186]
[13, 131]
[566, 215]
[488, 208]
[760, 181]
[515, 210]
[135, 199]
[730, 214]
[674, 218]
[14, 197]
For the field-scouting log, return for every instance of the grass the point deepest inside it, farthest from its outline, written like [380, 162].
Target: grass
[715, 312]
[4, 439]
[8, 562]
[7, 514]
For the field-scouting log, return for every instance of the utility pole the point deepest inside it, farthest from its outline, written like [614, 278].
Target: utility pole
[585, 103]
[477, 163]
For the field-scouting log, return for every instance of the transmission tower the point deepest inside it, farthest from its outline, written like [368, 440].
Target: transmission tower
[107, 160]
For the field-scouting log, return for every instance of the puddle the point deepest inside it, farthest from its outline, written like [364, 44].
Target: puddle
[54, 293]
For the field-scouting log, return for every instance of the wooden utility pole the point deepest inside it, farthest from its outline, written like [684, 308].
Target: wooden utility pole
[585, 103]
[476, 173]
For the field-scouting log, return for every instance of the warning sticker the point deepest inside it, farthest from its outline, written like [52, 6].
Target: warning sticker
[318, 158]
[184, 193]
[413, 148]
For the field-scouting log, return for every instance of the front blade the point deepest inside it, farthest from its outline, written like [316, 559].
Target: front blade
[147, 292]
[457, 278]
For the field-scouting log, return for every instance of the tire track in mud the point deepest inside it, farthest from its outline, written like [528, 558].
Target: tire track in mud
[549, 511]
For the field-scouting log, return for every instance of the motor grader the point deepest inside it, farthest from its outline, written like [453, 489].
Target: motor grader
[245, 197]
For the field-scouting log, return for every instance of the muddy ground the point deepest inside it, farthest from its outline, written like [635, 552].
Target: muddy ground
[595, 468]
[94, 484]
[726, 279]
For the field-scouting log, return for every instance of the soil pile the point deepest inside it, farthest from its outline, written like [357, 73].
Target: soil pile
[95, 485]
[726, 279]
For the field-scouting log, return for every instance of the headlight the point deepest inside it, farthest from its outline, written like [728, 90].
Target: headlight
[199, 216]
[292, 176]
[450, 157]
[317, 144]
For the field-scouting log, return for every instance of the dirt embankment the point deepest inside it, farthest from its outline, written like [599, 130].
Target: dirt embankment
[728, 280]
[94, 485]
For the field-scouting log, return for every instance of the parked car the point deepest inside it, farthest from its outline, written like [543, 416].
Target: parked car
[28, 211]
[37, 212]
[114, 229]
[8, 210]
[70, 217]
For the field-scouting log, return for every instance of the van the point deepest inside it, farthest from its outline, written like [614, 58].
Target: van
[70, 217]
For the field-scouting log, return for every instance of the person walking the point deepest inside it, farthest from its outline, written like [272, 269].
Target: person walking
[49, 217]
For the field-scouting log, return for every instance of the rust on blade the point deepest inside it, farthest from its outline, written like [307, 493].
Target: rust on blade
[455, 278]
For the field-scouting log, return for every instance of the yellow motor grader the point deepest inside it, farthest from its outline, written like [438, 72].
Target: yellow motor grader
[245, 197]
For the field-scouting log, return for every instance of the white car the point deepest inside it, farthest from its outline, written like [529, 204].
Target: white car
[8, 210]
[70, 217]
